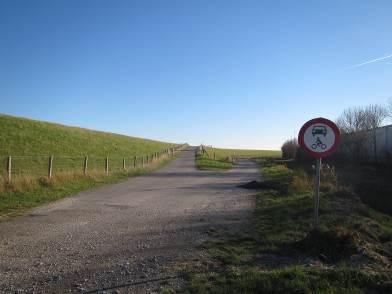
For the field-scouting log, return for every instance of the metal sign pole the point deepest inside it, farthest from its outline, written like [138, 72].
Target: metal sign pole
[317, 193]
[319, 137]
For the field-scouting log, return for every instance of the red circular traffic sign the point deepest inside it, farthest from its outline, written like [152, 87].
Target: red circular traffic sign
[319, 137]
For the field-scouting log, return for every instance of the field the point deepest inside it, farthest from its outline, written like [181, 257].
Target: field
[31, 142]
[81, 159]
[221, 153]
[279, 251]
[223, 159]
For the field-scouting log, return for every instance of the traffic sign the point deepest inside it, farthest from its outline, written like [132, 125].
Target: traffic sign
[319, 137]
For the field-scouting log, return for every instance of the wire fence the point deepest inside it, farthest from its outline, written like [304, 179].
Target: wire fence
[48, 166]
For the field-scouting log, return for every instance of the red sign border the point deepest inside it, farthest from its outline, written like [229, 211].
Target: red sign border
[322, 120]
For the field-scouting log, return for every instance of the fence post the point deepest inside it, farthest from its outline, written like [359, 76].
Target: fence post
[107, 165]
[50, 168]
[9, 168]
[124, 168]
[143, 161]
[134, 162]
[147, 159]
[85, 165]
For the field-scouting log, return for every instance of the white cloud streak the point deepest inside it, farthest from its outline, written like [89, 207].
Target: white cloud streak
[371, 61]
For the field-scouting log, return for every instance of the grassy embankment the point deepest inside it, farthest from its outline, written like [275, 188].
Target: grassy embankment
[223, 159]
[280, 252]
[30, 143]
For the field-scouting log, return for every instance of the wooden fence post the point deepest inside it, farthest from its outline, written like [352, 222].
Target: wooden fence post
[107, 165]
[9, 168]
[124, 168]
[134, 162]
[143, 161]
[50, 168]
[85, 165]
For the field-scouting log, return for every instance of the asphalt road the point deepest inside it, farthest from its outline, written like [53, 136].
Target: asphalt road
[123, 236]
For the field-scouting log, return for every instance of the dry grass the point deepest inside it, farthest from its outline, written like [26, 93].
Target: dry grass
[26, 192]
[301, 183]
[25, 183]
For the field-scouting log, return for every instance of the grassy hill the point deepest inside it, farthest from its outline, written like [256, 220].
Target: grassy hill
[30, 144]
[20, 136]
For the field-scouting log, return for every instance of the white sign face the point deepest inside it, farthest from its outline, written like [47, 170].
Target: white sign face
[319, 138]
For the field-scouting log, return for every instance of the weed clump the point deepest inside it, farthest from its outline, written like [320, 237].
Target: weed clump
[301, 182]
[332, 245]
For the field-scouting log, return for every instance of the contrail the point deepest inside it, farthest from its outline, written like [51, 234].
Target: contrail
[371, 61]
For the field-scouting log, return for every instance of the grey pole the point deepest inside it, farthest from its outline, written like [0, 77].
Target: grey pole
[317, 193]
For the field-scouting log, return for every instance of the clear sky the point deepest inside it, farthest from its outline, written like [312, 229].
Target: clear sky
[225, 73]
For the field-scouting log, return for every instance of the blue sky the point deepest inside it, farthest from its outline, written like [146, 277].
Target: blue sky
[225, 73]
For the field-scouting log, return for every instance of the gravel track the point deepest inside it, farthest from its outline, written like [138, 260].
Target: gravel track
[123, 237]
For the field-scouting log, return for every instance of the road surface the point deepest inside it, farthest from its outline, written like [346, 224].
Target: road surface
[123, 236]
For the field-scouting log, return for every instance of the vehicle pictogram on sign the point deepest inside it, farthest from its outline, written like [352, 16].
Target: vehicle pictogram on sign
[319, 130]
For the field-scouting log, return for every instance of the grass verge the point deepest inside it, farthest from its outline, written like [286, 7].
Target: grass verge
[280, 252]
[213, 164]
[224, 159]
[31, 192]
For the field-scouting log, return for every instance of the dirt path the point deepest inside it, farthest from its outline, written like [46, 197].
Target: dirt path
[123, 233]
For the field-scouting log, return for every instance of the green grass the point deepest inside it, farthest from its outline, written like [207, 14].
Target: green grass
[211, 164]
[289, 280]
[20, 136]
[224, 153]
[222, 159]
[31, 142]
[350, 252]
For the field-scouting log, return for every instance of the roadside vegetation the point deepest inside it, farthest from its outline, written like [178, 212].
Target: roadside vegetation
[279, 251]
[209, 158]
[26, 137]
[363, 160]
[30, 143]
[31, 192]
